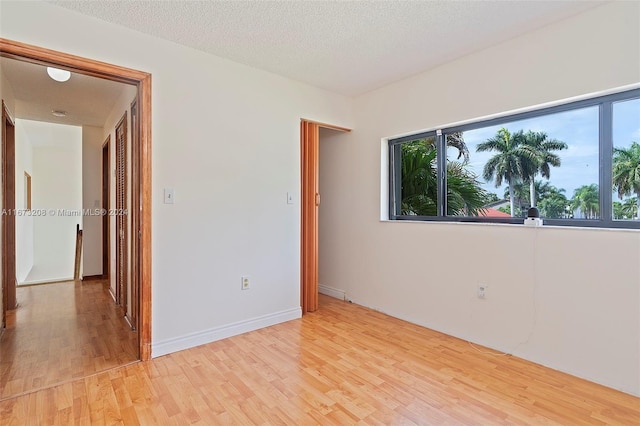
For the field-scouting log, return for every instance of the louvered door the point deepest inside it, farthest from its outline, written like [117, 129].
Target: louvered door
[121, 219]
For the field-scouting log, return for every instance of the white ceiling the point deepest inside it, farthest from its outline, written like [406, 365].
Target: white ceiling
[348, 47]
[87, 100]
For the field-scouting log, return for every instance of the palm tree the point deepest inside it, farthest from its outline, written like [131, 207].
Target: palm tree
[553, 203]
[512, 163]
[543, 158]
[626, 171]
[522, 191]
[454, 140]
[465, 196]
[625, 210]
[587, 199]
[419, 179]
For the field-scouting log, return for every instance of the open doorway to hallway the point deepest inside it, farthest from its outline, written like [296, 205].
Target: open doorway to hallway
[64, 328]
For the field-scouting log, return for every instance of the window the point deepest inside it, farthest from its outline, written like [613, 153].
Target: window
[578, 163]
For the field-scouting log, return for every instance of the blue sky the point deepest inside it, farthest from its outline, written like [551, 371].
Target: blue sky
[577, 128]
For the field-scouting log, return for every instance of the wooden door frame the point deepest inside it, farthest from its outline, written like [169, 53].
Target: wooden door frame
[135, 214]
[106, 206]
[310, 173]
[9, 301]
[142, 80]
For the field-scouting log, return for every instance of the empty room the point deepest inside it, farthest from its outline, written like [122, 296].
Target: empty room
[327, 212]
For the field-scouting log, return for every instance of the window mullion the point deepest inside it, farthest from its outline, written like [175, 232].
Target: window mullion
[606, 161]
[441, 173]
[396, 180]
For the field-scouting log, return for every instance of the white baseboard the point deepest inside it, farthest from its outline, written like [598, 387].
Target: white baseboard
[219, 333]
[46, 281]
[333, 292]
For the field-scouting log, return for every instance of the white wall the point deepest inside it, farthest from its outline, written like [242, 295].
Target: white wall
[56, 185]
[226, 139]
[92, 139]
[24, 223]
[6, 93]
[565, 298]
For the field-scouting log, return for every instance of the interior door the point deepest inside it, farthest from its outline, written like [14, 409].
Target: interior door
[121, 219]
[309, 150]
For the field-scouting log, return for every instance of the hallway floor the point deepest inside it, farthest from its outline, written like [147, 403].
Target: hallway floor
[62, 331]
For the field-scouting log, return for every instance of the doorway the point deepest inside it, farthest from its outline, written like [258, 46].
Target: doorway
[310, 167]
[141, 169]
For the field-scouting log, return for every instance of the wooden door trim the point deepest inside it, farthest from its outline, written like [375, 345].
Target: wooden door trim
[142, 80]
[8, 277]
[134, 212]
[326, 126]
[106, 205]
[310, 168]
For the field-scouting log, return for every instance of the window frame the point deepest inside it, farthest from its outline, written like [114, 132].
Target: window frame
[605, 159]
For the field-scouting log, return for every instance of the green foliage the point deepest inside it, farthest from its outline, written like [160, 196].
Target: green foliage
[492, 197]
[628, 209]
[419, 178]
[553, 203]
[626, 169]
[465, 196]
[587, 199]
[511, 163]
[626, 172]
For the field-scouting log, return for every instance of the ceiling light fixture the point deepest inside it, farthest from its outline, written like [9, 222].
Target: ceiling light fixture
[58, 74]
[59, 113]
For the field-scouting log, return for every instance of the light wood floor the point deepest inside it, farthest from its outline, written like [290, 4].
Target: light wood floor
[62, 331]
[339, 366]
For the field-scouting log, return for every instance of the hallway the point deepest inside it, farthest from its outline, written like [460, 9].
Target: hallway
[62, 331]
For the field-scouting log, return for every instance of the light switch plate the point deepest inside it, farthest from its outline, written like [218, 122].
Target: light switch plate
[169, 196]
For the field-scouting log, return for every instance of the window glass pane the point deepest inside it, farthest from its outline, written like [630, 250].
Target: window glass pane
[466, 195]
[549, 161]
[419, 191]
[626, 159]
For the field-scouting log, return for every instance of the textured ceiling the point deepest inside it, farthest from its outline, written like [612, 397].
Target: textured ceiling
[348, 47]
[87, 100]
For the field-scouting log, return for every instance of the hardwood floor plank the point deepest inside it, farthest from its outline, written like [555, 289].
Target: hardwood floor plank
[60, 332]
[343, 364]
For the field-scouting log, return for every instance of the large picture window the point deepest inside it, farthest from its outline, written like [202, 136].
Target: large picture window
[578, 163]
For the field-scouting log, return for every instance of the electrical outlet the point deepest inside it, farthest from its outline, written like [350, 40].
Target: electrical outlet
[482, 291]
[246, 283]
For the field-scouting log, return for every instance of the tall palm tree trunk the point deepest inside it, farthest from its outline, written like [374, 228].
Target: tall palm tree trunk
[512, 200]
[638, 204]
[532, 191]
